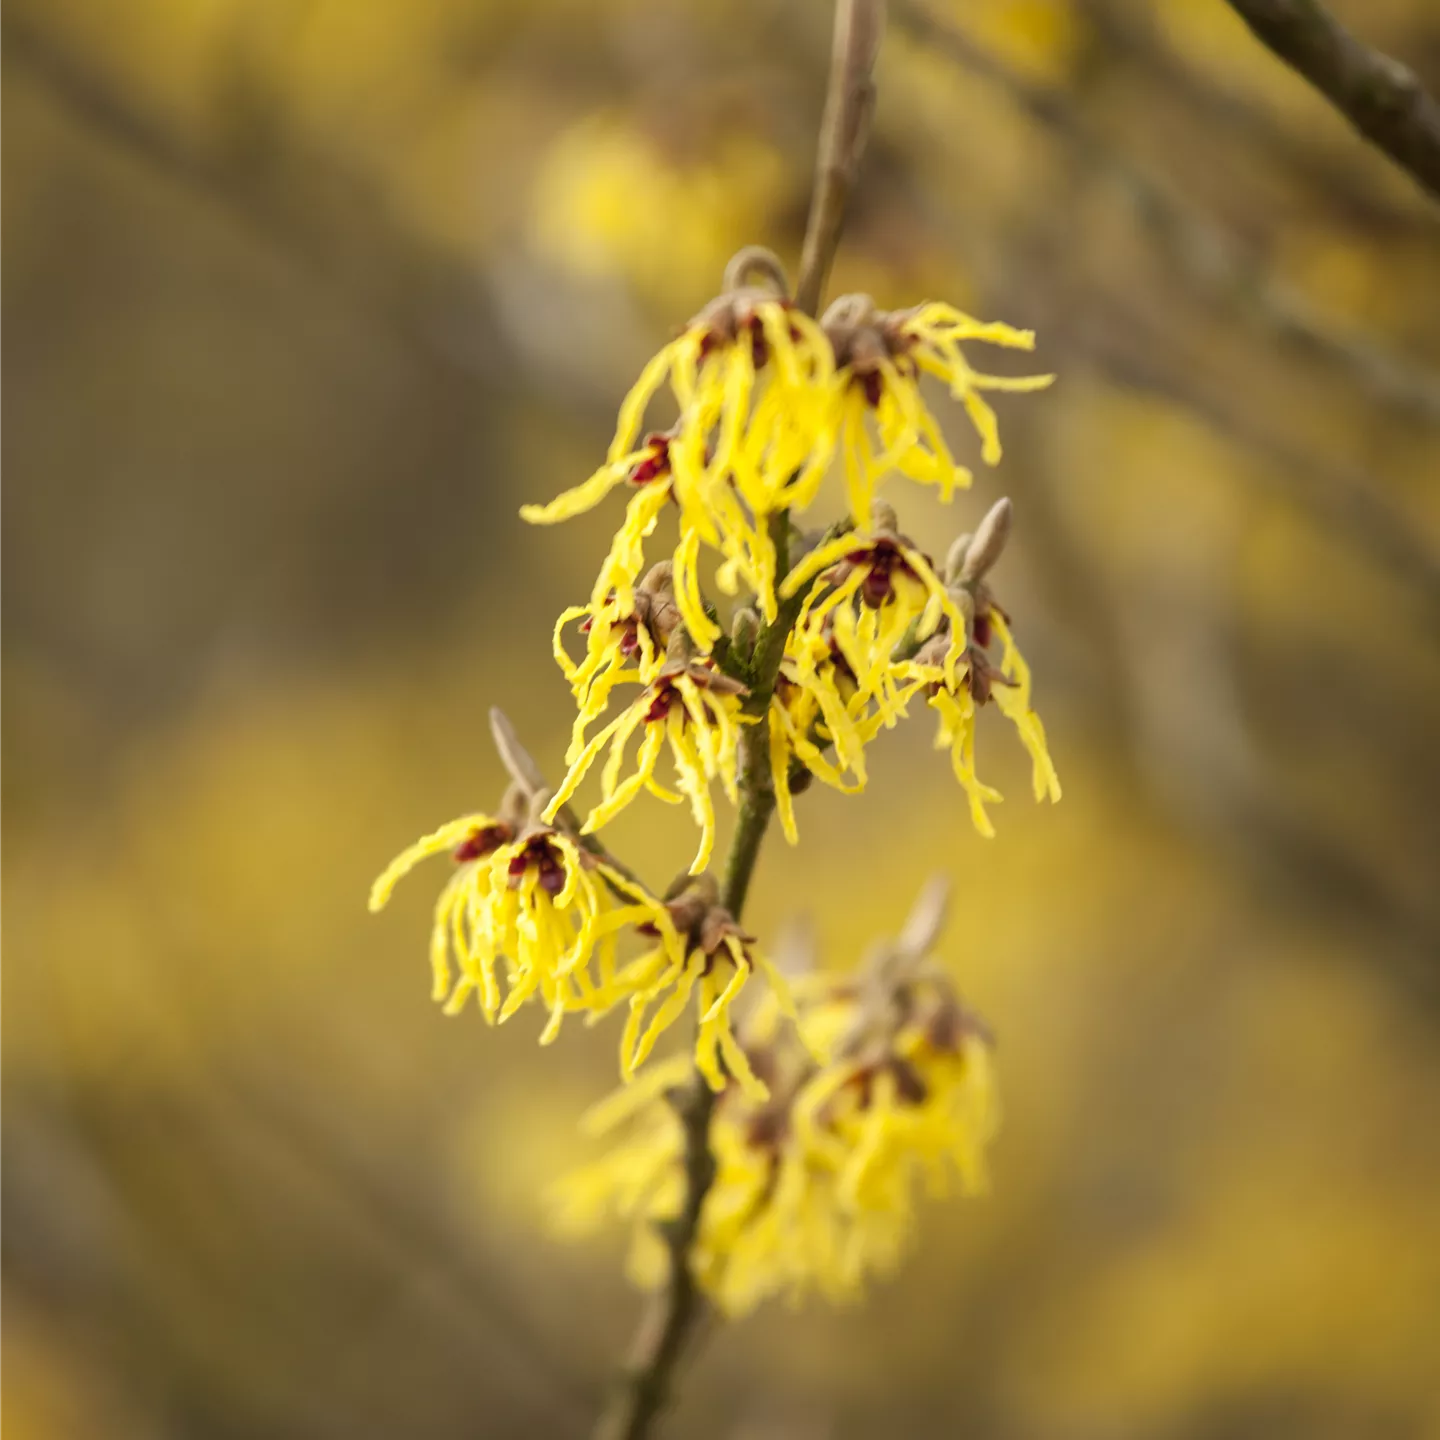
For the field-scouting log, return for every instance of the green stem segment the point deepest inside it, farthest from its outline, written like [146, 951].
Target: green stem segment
[679, 1308]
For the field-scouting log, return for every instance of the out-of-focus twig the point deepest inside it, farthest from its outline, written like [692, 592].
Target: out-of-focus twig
[430, 299]
[1342, 501]
[1380, 97]
[844, 128]
[1196, 246]
[1352, 194]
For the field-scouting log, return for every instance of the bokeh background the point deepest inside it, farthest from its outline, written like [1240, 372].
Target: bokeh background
[302, 298]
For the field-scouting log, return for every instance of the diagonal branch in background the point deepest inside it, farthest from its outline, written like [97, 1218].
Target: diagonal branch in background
[1338, 498]
[1380, 97]
[1353, 193]
[1199, 249]
[326, 219]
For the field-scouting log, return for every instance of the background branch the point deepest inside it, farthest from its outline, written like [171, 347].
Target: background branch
[1126, 348]
[1199, 249]
[1380, 97]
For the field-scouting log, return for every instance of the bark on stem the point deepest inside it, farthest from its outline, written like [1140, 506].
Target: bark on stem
[844, 128]
[677, 1310]
[1378, 95]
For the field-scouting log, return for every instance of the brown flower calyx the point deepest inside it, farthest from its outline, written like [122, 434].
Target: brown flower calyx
[654, 610]
[922, 1006]
[509, 820]
[538, 848]
[883, 551]
[680, 659]
[865, 338]
[752, 262]
[903, 990]
[540, 853]
[885, 554]
[734, 313]
[981, 673]
[701, 921]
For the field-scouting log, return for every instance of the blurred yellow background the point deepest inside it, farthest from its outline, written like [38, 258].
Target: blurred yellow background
[302, 298]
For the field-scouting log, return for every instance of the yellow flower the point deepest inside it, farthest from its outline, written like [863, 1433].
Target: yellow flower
[623, 642]
[924, 1111]
[718, 960]
[647, 469]
[813, 708]
[879, 358]
[752, 378]
[818, 702]
[693, 708]
[874, 589]
[1013, 698]
[955, 700]
[815, 1183]
[527, 914]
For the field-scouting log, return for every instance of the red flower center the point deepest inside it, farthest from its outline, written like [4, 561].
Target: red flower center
[656, 464]
[664, 698]
[548, 861]
[483, 841]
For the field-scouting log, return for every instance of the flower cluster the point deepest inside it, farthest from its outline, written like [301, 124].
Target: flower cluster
[826, 1113]
[766, 398]
[880, 626]
[530, 913]
[526, 914]
[885, 1089]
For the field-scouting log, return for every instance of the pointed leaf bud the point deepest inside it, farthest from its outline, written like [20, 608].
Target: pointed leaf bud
[988, 544]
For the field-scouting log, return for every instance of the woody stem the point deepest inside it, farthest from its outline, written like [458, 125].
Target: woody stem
[844, 128]
[677, 1310]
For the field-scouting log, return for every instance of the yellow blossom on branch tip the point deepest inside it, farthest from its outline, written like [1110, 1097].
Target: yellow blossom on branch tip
[810, 708]
[470, 839]
[882, 420]
[625, 640]
[956, 700]
[751, 377]
[817, 1177]
[716, 977]
[874, 589]
[527, 915]
[695, 711]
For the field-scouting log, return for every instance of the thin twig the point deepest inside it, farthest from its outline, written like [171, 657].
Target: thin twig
[1380, 97]
[1133, 33]
[844, 128]
[678, 1310]
[1199, 249]
[1339, 497]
